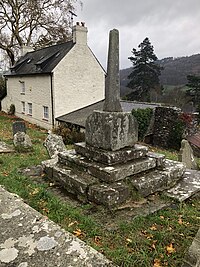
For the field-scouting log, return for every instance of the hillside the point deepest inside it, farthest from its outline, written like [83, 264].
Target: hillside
[175, 71]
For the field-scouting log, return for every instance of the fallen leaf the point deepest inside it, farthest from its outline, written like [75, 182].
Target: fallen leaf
[153, 246]
[97, 240]
[34, 192]
[147, 235]
[157, 263]
[162, 217]
[170, 249]
[78, 233]
[128, 240]
[72, 223]
[153, 227]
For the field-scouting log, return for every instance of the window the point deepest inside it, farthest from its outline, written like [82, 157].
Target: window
[22, 87]
[46, 112]
[23, 107]
[30, 108]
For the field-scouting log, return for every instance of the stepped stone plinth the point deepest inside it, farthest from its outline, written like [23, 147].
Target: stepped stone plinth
[111, 157]
[110, 168]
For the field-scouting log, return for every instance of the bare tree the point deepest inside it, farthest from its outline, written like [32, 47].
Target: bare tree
[33, 23]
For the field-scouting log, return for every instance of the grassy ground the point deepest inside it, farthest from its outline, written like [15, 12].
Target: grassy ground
[156, 240]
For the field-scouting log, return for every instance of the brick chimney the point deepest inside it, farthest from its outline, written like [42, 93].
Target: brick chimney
[80, 33]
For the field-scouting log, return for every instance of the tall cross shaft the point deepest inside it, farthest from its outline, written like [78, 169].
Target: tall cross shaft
[112, 84]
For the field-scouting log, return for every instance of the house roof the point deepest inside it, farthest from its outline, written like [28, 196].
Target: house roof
[79, 116]
[195, 139]
[41, 61]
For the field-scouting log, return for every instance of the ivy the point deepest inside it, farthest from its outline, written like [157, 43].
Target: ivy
[143, 117]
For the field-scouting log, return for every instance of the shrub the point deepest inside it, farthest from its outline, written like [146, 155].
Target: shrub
[11, 110]
[2, 88]
[143, 117]
[70, 136]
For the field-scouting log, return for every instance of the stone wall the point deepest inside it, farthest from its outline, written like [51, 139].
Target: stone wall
[165, 118]
[171, 125]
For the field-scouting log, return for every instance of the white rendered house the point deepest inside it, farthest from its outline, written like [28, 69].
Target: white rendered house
[54, 81]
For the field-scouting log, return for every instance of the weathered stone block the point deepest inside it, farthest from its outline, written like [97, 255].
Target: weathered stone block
[174, 170]
[121, 171]
[48, 166]
[111, 130]
[186, 187]
[54, 144]
[109, 195]
[150, 183]
[158, 180]
[73, 181]
[111, 157]
[106, 173]
[160, 158]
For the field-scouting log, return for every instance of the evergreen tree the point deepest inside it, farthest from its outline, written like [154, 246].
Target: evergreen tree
[144, 78]
[194, 89]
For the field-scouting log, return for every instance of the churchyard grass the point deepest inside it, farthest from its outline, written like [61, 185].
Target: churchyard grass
[160, 239]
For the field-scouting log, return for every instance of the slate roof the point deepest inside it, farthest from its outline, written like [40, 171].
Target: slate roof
[79, 116]
[195, 139]
[41, 61]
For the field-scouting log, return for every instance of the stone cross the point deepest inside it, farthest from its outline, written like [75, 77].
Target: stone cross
[112, 87]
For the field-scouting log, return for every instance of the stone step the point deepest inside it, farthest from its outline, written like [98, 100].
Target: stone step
[108, 174]
[158, 180]
[85, 187]
[111, 157]
[188, 186]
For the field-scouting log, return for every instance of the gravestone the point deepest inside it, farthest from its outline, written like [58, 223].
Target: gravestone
[18, 126]
[186, 155]
[22, 141]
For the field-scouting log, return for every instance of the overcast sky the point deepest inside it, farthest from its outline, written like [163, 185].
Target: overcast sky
[173, 26]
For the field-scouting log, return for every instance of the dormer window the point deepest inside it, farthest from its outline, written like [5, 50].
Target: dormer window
[22, 85]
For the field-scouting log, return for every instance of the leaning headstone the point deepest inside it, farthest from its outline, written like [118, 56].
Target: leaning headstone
[192, 258]
[186, 155]
[22, 141]
[54, 144]
[18, 126]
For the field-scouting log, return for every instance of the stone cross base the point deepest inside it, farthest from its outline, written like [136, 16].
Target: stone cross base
[111, 130]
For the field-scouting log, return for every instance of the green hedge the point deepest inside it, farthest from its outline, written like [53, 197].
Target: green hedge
[143, 117]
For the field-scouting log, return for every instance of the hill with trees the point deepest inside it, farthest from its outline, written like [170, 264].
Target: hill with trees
[175, 71]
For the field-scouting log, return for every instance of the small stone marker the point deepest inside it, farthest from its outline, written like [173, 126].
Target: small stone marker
[19, 126]
[22, 141]
[112, 90]
[186, 155]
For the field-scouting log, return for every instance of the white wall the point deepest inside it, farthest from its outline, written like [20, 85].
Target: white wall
[79, 80]
[37, 92]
